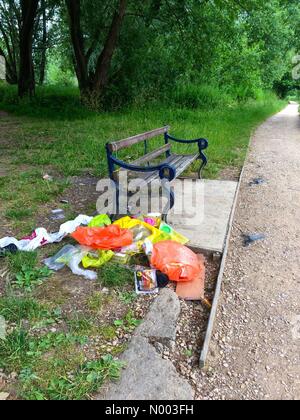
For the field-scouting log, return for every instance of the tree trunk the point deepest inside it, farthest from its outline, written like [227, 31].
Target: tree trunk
[26, 77]
[44, 44]
[81, 63]
[92, 84]
[104, 61]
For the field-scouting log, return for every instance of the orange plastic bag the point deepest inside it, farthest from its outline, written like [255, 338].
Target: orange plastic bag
[108, 238]
[195, 289]
[178, 262]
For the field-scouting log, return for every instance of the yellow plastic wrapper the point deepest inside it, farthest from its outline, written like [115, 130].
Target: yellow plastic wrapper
[173, 235]
[97, 259]
[143, 231]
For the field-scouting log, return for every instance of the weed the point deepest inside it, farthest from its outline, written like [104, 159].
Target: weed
[108, 332]
[128, 323]
[127, 297]
[95, 302]
[27, 279]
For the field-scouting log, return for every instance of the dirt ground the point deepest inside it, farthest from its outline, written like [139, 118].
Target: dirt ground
[255, 351]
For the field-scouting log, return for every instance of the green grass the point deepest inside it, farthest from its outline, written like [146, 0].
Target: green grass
[58, 131]
[114, 275]
[83, 382]
[15, 309]
[19, 260]
[52, 378]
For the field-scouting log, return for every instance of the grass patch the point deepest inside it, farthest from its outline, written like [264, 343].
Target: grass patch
[108, 332]
[44, 375]
[19, 260]
[27, 279]
[23, 192]
[78, 385]
[15, 309]
[17, 213]
[114, 275]
[127, 297]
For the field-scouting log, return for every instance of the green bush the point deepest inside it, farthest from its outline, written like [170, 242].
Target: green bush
[194, 96]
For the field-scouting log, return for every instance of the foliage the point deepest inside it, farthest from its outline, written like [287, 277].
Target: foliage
[23, 266]
[165, 48]
[27, 279]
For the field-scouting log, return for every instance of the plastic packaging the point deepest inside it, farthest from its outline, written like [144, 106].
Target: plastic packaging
[165, 233]
[153, 219]
[174, 236]
[10, 249]
[100, 221]
[97, 259]
[193, 290]
[145, 281]
[52, 262]
[41, 237]
[141, 231]
[178, 262]
[72, 257]
[108, 238]
[121, 258]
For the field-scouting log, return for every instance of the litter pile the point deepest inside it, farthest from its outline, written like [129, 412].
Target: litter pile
[101, 241]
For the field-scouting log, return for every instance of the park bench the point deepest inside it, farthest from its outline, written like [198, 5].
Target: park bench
[167, 170]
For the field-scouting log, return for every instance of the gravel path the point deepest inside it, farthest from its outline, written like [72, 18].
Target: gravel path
[256, 346]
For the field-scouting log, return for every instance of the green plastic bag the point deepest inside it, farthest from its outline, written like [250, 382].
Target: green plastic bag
[100, 221]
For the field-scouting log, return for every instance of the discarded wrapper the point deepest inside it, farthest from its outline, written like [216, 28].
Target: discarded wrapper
[146, 282]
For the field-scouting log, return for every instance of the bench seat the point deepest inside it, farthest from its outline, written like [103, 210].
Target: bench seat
[179, 162]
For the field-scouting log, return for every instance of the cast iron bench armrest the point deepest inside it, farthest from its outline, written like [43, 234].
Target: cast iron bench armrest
[160, 168]
[203, 143]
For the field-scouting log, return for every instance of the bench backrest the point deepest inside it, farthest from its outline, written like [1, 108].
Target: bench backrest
[123, 144]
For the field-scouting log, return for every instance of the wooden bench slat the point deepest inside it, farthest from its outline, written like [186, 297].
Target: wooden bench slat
[181, 163]
[152, 155]
[122, 144]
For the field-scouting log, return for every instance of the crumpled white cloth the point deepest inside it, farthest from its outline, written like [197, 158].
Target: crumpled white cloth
[41, 237]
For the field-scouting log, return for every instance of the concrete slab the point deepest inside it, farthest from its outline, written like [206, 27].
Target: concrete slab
[214, 203]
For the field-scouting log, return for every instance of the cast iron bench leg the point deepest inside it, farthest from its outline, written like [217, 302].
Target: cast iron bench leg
[169, 192]
[201, 170]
